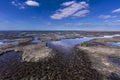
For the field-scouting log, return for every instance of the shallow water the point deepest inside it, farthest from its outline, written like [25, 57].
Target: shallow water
[12, 55]
[108, 36]
[5, 43]
[114, 43]
[66, 45]
[36, 40]
[15, 42]
[115, 60]
[9, 59]
[1, 43]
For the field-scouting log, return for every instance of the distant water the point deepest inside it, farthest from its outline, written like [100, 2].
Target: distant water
[5, 43]
[108, 36]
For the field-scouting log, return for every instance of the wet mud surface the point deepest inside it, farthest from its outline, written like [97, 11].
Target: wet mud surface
[55, 56]
[57, 68]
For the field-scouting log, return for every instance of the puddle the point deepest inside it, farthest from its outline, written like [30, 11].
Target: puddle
[36, 40]
[107, 36]
[15, 42]
[59, 36]
[114, 76]
[114, 43]
[9, 59]
[28, 35]
[5, 42]
[115, 60]
[1, 43]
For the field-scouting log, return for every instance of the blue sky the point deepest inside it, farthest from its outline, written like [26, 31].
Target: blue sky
[59, 14]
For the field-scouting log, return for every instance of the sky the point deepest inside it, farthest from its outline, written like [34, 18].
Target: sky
[60, 15]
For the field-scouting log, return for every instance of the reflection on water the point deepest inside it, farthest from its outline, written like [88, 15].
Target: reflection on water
[66, 45]
[114, 43]
[108, 36]
[5, 42]
[115, 60]
[1, 43]
[36, 40]
[114, 76]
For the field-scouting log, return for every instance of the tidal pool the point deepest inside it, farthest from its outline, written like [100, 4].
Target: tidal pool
[114, 43]
[5, 42]
[1, 42]
[115, 60]
[36, 40]
[9, 59]
[66, 45]
[107, 36]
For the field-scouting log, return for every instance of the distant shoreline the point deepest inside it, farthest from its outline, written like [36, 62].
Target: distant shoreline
[58, 31]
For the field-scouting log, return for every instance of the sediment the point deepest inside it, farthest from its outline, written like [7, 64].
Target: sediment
[56, 67]
[100, 53]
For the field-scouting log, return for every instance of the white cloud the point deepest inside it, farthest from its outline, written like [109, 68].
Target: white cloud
[116, 10]
[22, 5]
[14, 3]
[118, 21]
[70, 10]
[18, 4]
[68, 3]
[81, 13]
[112, 21]
[107, 16]
[32, 3]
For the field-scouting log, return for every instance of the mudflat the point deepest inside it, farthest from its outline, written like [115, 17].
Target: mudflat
[59, 55]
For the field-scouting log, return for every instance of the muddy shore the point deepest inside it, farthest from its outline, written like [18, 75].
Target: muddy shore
[58, 67]
[38, 61]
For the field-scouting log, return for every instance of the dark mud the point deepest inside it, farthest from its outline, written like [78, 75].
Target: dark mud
[73, 65]
[56, 68]
[115, 60]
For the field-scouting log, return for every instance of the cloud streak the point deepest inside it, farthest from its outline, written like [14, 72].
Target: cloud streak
[107, 16]
[81, 13]
[68, 3]
[18, 4]
[71, 9]
[116, 10]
